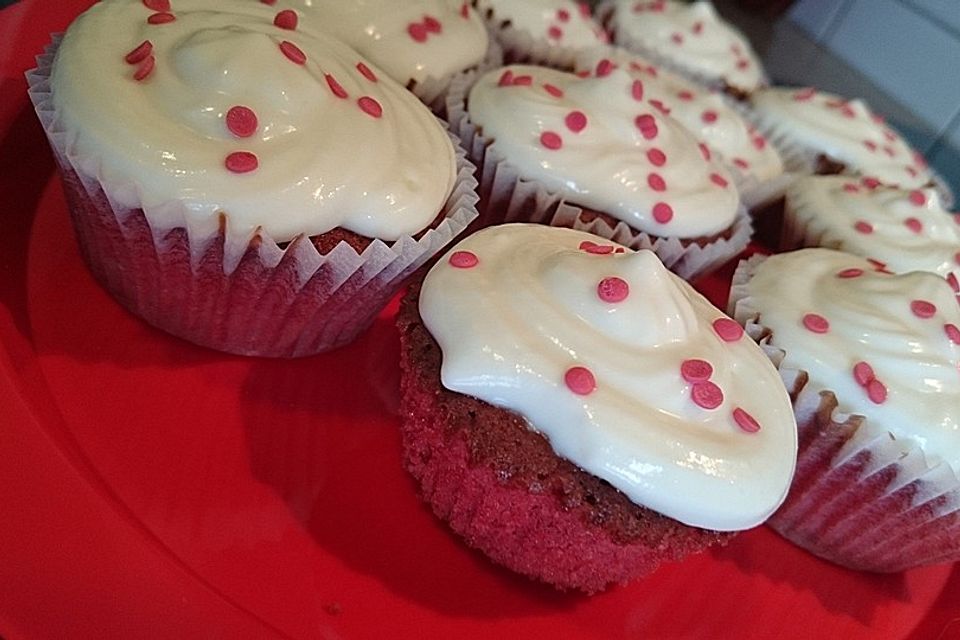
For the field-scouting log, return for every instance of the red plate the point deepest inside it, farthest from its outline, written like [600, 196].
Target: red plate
[150, 488]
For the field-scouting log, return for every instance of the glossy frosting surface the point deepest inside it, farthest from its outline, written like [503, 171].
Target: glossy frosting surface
[693, 36]
[904, 327]
[556, 22]
[845, 130]
[907, 230]
[594, 140]
[516, 307]
[335, 145]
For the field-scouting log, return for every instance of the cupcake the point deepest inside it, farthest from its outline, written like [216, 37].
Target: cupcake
[901, 230]
[548, 32]
[239, 182]
[755, 164]
[689, 37]
[871, 361]
[421, 44]
[592, 153]
[818, 132]
[579, 414]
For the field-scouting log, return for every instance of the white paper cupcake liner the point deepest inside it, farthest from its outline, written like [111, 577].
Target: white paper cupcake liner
[507, 197]
[863, 501]
[250, 296]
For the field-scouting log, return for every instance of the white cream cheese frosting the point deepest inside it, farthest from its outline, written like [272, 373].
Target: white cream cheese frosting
[597, 141]
[887, 345]
[844, 130]
[555, 22]
[703, 112]
[626, 370]
[906, 230]
[409, 40]
[193, 108]
[692, 36]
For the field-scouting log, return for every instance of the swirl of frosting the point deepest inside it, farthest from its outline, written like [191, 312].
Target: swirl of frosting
[408, 40]
[556, 22]
[905, 230]
[626, 370]
[691, 35]
[193, 108]
[703, 113]
[887, 345]
[845, 130]
[597, 141]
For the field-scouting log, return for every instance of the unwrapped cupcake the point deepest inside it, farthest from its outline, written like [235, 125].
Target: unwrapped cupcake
[872, 362]
[591, 153]
[580, 414]
[241, 182]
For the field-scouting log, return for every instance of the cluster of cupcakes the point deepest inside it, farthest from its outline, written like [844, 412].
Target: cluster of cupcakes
[262, 177]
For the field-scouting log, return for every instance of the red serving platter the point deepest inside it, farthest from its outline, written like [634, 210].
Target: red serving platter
[153, 489]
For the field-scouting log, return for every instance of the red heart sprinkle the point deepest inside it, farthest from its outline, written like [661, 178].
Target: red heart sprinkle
[523, 81]
[718, 180]
[241, 162]
[145, 69]
[706, 395]
[863, 227]
[636, 90]
[556, 92]
[576, 121]
[580, 380]
[863, 373]
[696, 370]
[161, 18]
[464, 259]
[656, 182]
[563, 15]
[604, 68]
[293, 52]
[432, 24]
[816, 323]
[647, 126]
[917, 198]
[370, 106]
[923, 309]
[656, 157]
[953, 333]
[662, 212]
[594, 248]
[157, 5]
[506, 79]
[914, 225]
[551, 140]
[140, 53]
[876, 391]
[704, 151]
[728, 330]
[555, 33]
[745, 421]
[286, 19]
[241, 121]
[709, 117]
[335, 87]
[366, 72]
[850, 273]
[417, 31]
[613, 289]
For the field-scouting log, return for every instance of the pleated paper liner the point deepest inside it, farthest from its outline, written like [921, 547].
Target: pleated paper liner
[251, 297]
[864, 501]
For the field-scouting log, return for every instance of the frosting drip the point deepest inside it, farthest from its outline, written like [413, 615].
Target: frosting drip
[703, 113]
[332, 142]
[595, 140]
[556, 22]
[410, 40]
[844, 130]
[905, 230]
[693, 36]
[625, 369]
[887, 345]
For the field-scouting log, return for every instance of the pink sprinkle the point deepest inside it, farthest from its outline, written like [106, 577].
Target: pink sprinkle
[743, 64]
[704, 151]
[917, 198]
[596, 249]
[157, 5]
[417, 31]
[706, 395]
[464, 259]
[161, 18]
[851, 188]
[718, 180]
[556, 92]
[952, 332]
[870, 144]
[604, 68]
[656, 182]
[741, 163]
[286, 19]
[647, 125]
[432, 24]
[563, 15]
[804, 94]
[878, 266]
[686, 96]
[145, 69]
[870, 182]
[506, 79]
[241, 162]
[816, 323]
[293, 52]
[863, 373]
[241, 121]
[139, 54]
[759, 142]
[576, 121]
[728, 330]
[696, 370]
[269, 2]
[863, 226]
[850, 273]
[523, 81]
[580, 380]
[366, 72]
[555, 32]
[662, 108]
[745, 421]
[876, 391]
[335, 87]
[709, 117]
[370, 106]
[551, 140]
[465, 10]
[914, 225]
[662, 212]
[584, 9]
[583, 74]
[923, 309]
[656, 157]
[613, 289]
[677, 38]
[953, 282]
[636, 90]
[697, 28]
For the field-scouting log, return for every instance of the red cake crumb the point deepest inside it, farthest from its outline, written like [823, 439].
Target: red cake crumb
[500, 486]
